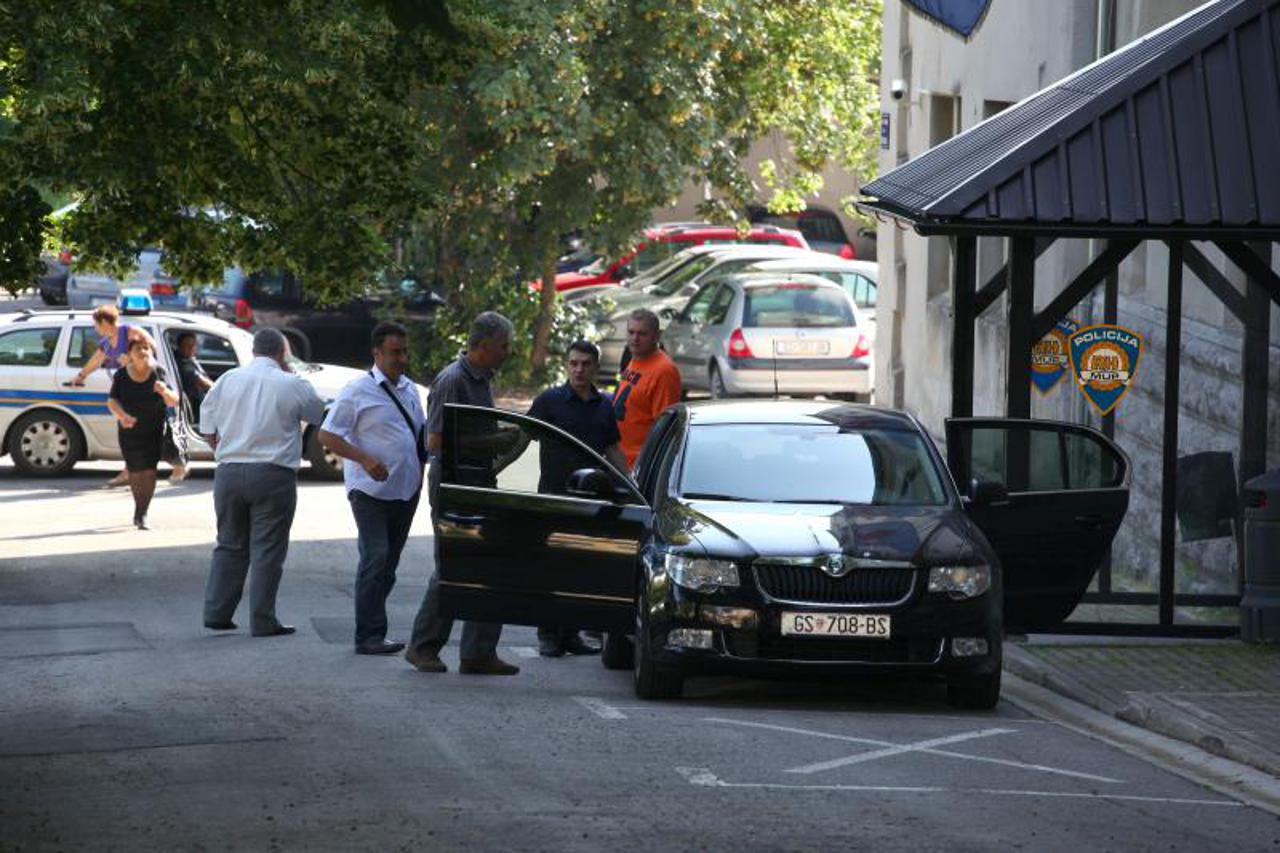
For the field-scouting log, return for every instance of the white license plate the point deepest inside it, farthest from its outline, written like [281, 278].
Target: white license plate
[802, 347]
[872, 625]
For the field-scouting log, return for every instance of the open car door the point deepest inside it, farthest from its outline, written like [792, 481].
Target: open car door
[523, 537]
[1068, 491]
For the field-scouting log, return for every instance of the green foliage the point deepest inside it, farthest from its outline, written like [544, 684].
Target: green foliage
[462, 139]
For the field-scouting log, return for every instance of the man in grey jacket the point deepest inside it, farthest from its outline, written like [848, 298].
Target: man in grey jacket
[466, 380]
[253, 418]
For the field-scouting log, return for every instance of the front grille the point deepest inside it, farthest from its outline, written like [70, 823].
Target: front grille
[918, 650]
[811, 585]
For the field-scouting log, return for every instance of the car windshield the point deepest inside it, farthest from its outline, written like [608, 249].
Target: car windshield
[793, 304]
[809, 463]
[680, 277]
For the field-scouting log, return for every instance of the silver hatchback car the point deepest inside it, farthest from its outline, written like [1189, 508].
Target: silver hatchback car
[768, 334]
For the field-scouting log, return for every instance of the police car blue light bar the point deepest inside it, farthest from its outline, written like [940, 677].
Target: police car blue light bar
[134, 300]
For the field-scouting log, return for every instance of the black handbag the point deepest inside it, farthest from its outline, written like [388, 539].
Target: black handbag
[173, 442]
[420, 433]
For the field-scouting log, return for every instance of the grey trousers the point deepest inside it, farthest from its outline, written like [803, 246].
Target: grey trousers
[431, 630]
[255, 503]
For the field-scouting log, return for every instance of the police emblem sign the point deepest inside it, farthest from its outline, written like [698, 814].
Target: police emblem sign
[1105, 361]
[1049, 360]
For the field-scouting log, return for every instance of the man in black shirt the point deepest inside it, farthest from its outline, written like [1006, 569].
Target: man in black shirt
[578, 408]
[195, 382]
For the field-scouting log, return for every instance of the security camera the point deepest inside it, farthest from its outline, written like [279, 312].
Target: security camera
[898, 88]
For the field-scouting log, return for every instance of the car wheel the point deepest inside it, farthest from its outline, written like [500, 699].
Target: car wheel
[651, 680]
[618, 651]
[978, 693]
[45, 444]
[716, 383]
[326, 464]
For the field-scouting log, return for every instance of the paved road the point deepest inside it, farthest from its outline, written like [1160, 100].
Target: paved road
[127, 726]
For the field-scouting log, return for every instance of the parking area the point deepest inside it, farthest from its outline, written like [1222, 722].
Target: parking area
[128, 726]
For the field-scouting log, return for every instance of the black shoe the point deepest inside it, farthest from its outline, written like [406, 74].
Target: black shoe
[575, 645]
[550, 648]
[220, 626]
[140, 522]
[277, 631]
[378, 647]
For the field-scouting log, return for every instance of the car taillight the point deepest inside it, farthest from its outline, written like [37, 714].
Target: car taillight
[847, 252]
[160, 288]
[861, 349]
[65, 256]
[738, 345]
[244, 314]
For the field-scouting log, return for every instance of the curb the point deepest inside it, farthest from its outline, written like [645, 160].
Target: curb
[1142, 710]
[1232, 779]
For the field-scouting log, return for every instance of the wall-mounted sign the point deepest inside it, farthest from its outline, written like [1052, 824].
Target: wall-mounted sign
[1049, 359]
[884, 131]
[1105, 361]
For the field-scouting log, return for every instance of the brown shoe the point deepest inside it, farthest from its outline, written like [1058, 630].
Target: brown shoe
[425, 661]
[492, 665]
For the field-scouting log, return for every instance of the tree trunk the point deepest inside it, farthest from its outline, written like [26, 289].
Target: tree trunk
[546, 315]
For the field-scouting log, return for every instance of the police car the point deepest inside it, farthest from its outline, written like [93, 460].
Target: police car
[47, 426]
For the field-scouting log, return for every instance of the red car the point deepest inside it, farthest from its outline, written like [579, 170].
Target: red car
[662, 241]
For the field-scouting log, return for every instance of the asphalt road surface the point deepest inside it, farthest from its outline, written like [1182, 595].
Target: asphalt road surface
[127, 726]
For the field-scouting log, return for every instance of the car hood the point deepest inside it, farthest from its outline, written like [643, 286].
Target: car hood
[920, 535]
[330, 379]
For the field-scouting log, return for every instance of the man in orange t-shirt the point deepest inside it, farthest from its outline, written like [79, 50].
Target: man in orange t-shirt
[648, 384]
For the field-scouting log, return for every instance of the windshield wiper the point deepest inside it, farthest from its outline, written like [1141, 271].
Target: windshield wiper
[708, 496]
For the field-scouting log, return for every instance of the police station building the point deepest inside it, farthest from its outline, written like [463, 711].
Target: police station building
[1050, 168]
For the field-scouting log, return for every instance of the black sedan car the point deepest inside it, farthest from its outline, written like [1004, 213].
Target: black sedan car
[780, 537]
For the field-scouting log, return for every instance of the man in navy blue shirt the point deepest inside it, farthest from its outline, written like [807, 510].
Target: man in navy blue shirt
[584, 412]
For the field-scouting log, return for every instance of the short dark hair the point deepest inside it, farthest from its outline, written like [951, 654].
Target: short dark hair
[644, 315]
[387, 329]
[184, 335]
[584, 346]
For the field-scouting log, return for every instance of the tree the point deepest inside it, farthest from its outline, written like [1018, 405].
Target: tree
[320, 135]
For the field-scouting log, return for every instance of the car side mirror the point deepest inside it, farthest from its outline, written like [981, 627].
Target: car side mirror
[667, 313]
[626, 271]
[987, 493]
[590, 483]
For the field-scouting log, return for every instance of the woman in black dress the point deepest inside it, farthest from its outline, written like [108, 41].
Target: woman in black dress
[138, 399]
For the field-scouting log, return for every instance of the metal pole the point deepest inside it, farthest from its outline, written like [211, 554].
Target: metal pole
[1169, 446]
[1254, 379]
[963, 283]
[1022, 283]
[1110, 314]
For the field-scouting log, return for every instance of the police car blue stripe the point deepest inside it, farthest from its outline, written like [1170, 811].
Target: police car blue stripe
[78, 408]
[94, 396]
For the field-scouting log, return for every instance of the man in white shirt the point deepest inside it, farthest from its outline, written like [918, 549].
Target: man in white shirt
[378, 427]
[253, 418]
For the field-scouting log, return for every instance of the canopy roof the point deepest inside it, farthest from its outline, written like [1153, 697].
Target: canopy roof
[1176, 134]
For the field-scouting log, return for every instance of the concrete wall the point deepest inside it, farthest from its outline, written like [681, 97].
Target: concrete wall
[951, 85]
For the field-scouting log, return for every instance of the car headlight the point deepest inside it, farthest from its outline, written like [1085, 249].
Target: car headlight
[700, 573]
[960, 581]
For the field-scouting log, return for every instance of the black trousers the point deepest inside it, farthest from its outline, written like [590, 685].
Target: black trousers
[383, 530]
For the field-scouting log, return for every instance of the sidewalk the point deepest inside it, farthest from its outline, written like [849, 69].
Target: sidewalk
[1222, 696]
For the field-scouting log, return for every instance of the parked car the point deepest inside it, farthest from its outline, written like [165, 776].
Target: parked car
[769, 334]
[53, 279]
[819, 225]
[662, 241]
[667, 294]
[337, 334]
[47, 427]
[87, 289]
[780, 538]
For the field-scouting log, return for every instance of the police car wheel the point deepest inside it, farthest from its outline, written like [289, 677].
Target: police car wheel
[45, 444]
[324, 464]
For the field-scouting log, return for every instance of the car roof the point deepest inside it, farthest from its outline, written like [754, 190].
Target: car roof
[703, 229]
[767, 279]
[798, 412]
[824, 261]
[66, 315]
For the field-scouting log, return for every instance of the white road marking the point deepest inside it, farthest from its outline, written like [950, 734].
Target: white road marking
[703, 777]
[600, 708]
[930, 751]
[918, 746]
[524, 651]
